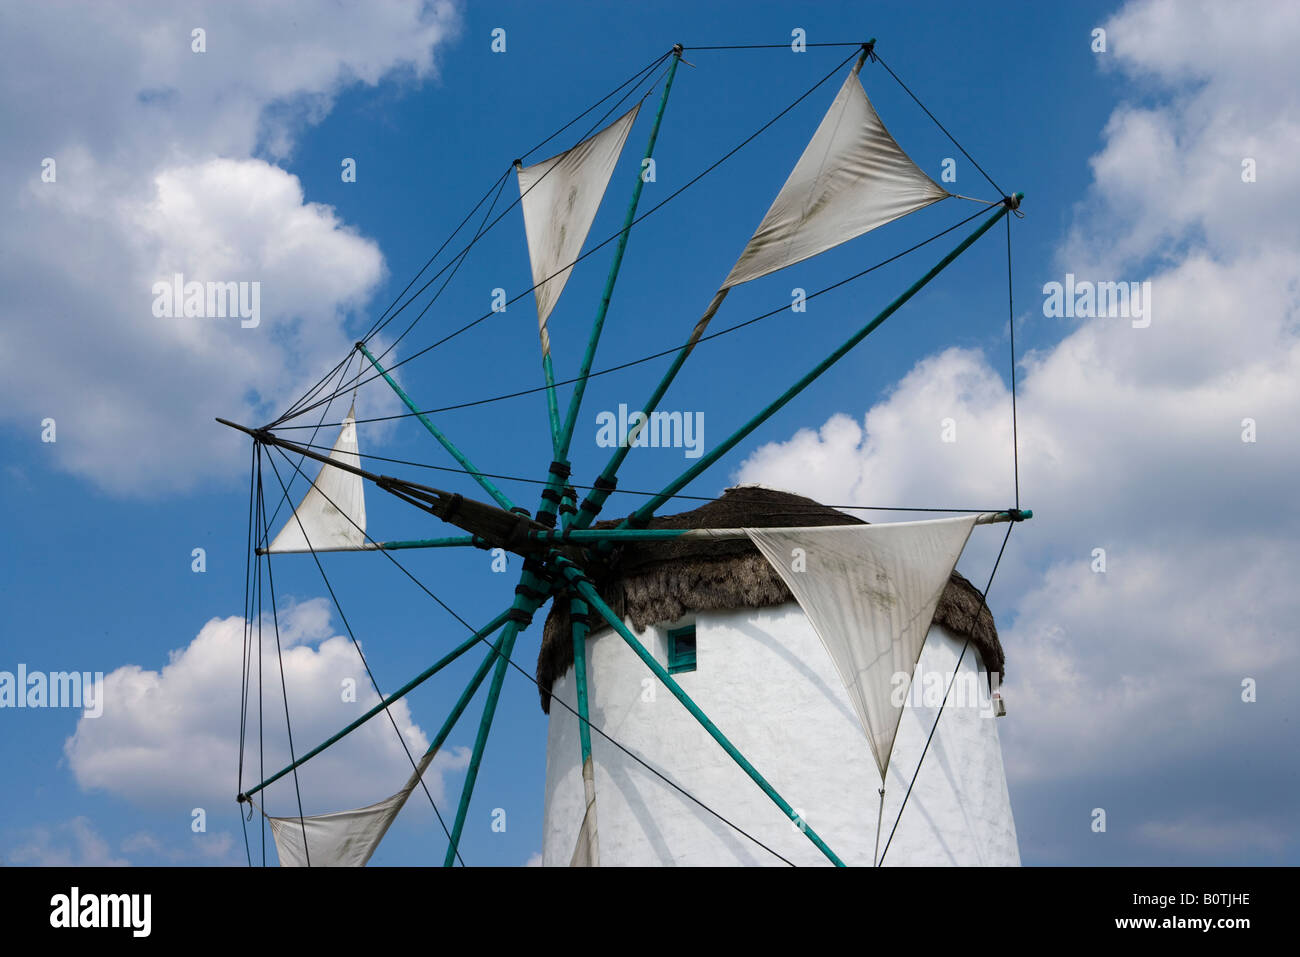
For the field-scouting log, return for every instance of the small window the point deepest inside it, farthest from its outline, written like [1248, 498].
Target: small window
[681, 650]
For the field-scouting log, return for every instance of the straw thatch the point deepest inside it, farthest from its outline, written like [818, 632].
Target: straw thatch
[650, 583]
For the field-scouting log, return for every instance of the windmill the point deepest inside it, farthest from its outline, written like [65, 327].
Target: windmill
[863, 598]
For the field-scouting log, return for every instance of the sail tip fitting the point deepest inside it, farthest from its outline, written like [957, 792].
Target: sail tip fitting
[1012, 202]
[241, 798]
[1020, 515]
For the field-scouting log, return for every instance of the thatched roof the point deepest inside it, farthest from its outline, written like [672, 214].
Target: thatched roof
[654, 582]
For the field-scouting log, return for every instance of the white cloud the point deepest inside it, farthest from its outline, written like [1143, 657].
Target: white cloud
[74, 843]
[168, 739]
[158, 172]
[1130, 438]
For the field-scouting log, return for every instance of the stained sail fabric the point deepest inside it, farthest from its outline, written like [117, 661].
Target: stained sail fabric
[870, 592]
[333, 512]
[342, 838]
[851, 178]
[587, 851]
[560, 197]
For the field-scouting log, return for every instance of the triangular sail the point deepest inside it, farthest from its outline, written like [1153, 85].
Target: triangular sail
[851, 178]
[342, 838]
[587, 851]
[560, 197]
[870, 592]
[333, 512]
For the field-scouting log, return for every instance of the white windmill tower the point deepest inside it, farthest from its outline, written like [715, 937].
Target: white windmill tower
[719, 616]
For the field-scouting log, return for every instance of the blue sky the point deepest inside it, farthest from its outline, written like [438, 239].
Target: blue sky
[1124, 686]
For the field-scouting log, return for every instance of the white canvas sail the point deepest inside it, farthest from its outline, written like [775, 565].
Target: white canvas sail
[333, 512]
[870, 592]
[587, 851]
[560, 197]
[341, 838]
[851, 178]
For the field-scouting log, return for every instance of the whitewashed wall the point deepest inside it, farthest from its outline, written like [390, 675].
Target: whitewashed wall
[765, 679]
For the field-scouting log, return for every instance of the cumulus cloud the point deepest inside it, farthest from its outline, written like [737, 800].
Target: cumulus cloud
[164, 165]
[167, 738]
[1132, 438]
[73, 843]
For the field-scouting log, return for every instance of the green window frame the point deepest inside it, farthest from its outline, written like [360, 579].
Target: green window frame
[681, 649]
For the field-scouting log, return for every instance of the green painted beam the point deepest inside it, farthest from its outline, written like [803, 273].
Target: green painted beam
[707, 460]
[579, 607]
[572, 574]
[401, 692]
[598, 323]
[552, 403]
[484, 482]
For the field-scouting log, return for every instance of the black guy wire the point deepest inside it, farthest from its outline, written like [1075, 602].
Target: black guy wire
[649, 358]
[612, 237]
[768, 46]
[1011, 323]
[244, 659]
[956, 669]
[636, 76]
[628, 491]
[275, 619]
[876, 57]
[455, 265]
[537, 684]
[315, 431]
[483, 230]
[374, 682]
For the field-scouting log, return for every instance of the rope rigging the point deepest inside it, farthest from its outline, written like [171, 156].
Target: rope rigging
[652, 356]
[614, 236]
[517, 667]
[434, 500]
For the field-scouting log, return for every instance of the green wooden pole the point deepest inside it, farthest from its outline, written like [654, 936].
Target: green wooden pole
[593, 599]
[598, 324]
[486, 483]
[401, 692]
[598, 496]
[501, 653]
[505, 646]
[648, 508]
[579, 607]
[552, 402]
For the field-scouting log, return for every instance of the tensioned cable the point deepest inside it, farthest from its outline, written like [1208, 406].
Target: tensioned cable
[877, 58]
[636, 77]
[1011, 318]
[956, 669]
[244, 659]
[633, 81]
[656, 355]
[770, 46]
[612, 237]
[484, 229]
[1011, 322]
[464, 252]
[315, 432]
[284, 689]
[645, 764]
[374, 682]
[455, 264]
[314, 390]
[626, 491]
